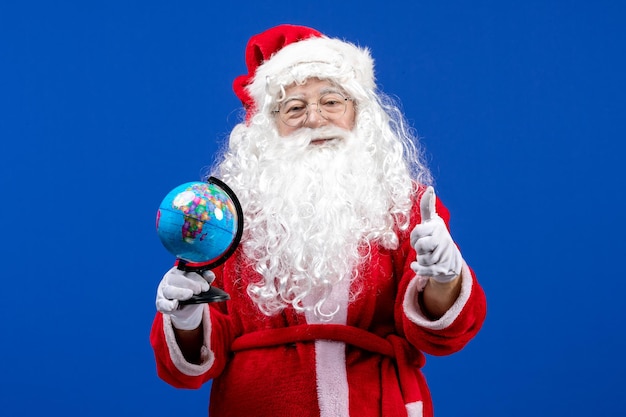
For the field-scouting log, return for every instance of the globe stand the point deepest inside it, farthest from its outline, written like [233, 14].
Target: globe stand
[211, 296]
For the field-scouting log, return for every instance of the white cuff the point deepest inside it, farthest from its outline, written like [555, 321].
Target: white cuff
[207, 356]
[414, 313]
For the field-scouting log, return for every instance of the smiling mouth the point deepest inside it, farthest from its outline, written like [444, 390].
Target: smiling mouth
[319, 141]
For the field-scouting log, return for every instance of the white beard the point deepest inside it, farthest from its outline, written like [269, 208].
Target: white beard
[311, 213]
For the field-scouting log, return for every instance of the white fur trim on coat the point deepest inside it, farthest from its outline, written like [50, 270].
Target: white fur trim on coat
[333, 392]
[415, 409]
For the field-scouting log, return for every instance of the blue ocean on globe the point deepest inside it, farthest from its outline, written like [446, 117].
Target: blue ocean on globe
[197, 222]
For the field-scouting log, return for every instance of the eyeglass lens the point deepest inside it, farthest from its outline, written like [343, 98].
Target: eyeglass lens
[330, 106]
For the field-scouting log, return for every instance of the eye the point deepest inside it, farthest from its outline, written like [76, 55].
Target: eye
[332, 101]
[293, 107]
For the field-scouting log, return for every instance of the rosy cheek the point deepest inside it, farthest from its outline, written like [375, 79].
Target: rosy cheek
[348, 123]
[284, 130]
[350, 119]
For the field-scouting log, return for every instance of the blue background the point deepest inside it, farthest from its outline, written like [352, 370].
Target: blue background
[106, 106]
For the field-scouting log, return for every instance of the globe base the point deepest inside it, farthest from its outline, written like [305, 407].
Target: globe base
[212, 295]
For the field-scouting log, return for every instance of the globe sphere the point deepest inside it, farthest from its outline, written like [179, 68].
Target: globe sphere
[199, 222]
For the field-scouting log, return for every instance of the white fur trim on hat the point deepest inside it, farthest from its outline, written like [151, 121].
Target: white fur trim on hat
[322, 57]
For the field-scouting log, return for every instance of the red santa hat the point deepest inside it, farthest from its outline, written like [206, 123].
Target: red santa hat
[286, 54]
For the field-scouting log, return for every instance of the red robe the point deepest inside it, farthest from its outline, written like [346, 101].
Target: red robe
[365, 363]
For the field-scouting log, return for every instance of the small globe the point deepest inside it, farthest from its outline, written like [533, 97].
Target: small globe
[199, 222]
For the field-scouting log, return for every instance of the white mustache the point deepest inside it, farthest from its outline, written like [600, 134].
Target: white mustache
[308, 135]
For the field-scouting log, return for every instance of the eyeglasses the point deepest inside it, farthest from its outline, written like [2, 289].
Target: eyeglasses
[295, 112]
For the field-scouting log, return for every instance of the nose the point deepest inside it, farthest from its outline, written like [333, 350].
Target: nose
[314, 116]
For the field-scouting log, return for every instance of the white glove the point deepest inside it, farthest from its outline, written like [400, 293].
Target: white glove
[437, 255]
[178, 285]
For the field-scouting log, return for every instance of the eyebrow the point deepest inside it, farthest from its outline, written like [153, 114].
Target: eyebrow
[325, 90]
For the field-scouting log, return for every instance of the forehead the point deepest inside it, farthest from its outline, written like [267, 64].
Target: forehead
[311, 87]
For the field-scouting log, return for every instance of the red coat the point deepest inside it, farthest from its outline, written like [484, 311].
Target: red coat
[366, 363]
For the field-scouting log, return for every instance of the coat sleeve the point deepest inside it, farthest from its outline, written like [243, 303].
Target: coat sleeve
[459, 324]
[172, 366]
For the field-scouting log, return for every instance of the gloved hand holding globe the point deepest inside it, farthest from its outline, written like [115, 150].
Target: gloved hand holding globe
[201, 223]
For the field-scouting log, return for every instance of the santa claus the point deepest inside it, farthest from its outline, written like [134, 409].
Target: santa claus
[347, 273]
